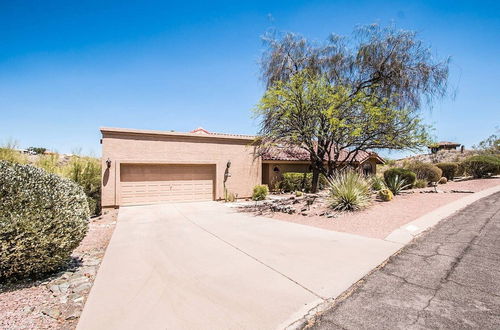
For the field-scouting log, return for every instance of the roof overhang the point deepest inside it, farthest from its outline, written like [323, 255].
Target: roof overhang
[117, 132]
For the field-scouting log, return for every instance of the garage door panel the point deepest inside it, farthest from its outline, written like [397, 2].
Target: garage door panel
[141, 185]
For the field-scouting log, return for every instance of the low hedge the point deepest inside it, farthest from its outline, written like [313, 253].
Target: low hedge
[43, 218]
[294, 181]
[401, 173]
[426, 171]
[481, 166]
[449, 170]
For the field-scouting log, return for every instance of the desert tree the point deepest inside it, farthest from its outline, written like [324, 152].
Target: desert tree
[363, 92]
[308, 112]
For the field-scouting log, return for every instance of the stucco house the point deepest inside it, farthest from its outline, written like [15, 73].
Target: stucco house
[146, 166]
[443, 145]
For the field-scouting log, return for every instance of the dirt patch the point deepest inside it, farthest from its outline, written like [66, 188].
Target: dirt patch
[57, 302]
[381, 218]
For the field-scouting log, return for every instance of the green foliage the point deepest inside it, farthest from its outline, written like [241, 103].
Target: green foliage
[349, 191]
[481, 166]
[396, 184]
[260, 192]
[43, 218]
[37, 150]
[310, 113]
[426, 171]
[293, 181]
[377, 183]
[449, 170]
[86, 171]
[421, 183]
[298, 193]
[402, 173]
[386, 195]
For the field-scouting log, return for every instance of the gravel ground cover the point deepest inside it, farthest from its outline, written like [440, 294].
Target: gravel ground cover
[381, 218]
[56, 302]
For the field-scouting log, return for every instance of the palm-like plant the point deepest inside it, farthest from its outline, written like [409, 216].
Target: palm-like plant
[349, 191]
[396, 184]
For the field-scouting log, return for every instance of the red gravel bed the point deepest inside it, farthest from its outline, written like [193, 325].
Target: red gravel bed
[381, 218]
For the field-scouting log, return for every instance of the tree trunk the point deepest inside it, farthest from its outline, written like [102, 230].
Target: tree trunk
[315, 179]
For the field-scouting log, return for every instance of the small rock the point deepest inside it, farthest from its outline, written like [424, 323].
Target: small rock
[73, 315]
[331, 215]
[52, 312]
[54, 288]
[303, 213]
[82, 287]
[27, 309]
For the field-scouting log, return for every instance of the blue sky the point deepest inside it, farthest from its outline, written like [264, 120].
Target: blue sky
[67, 67]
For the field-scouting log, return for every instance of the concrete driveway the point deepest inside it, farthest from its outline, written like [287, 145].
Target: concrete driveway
[205, 266]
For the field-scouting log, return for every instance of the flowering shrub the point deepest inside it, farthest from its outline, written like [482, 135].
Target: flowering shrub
[43, 218]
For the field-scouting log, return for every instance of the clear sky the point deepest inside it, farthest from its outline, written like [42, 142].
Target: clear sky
[69, 67]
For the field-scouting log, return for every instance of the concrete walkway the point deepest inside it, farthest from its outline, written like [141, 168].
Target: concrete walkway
[202, 265]
[448, 278]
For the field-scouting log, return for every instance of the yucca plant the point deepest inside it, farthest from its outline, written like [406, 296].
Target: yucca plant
[396, 184]
[377, 183]
[349, 191]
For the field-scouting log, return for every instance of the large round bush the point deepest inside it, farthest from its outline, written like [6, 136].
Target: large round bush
[43, 218]
[402, 173]
[481, 166]
[449, 169]
[426, 171]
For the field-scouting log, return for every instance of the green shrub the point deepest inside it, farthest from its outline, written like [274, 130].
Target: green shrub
[443, 180]
[402, 173]
[294, 181]
[377, 183]
[349, 191]
[260, 192]
[426, 171]
[396, 184]
[43, 218]
[449, 170]
[86, 171]
[298, 193]
[420, 183]
[386, 195]
[481, 166]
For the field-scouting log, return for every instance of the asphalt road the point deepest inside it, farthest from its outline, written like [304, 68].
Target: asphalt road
[448, 278]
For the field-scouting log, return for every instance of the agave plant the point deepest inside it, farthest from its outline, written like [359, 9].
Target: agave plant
[349, 191]
[396, 184]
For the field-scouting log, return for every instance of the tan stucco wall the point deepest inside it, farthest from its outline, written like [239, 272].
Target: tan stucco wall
[127, 147]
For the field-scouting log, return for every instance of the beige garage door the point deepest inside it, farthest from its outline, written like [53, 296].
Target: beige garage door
[158, 183]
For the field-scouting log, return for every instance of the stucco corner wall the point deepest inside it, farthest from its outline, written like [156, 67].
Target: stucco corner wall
[123, 148]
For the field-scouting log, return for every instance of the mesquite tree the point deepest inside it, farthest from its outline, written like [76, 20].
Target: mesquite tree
[350, 94]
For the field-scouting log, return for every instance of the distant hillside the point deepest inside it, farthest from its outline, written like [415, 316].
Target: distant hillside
[443, 156]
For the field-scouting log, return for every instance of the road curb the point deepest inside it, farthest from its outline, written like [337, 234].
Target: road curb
[409, 231]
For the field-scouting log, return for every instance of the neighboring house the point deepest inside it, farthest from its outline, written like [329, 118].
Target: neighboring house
[443, 145]
[144, 166]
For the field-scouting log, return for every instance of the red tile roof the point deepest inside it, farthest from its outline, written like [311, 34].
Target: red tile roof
[293, 153]
[299, 154]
